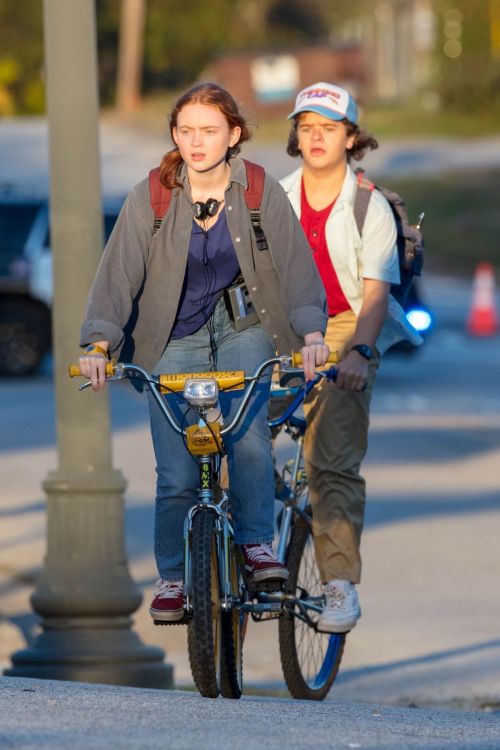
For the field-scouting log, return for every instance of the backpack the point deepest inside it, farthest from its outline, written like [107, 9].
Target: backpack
[409, 240]
[160, 197]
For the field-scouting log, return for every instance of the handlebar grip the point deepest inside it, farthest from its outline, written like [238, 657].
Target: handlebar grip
[333, 359]
[74, 370]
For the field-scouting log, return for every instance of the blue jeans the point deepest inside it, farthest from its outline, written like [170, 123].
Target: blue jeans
[250, 465]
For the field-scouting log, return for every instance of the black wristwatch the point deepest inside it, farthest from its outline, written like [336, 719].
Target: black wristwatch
[363, 349]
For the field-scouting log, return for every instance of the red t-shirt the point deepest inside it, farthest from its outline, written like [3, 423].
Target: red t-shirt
[313, 223]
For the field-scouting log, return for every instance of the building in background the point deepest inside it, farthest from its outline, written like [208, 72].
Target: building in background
[268, 83]
[398, 38]
[441, 53]
[388, 51]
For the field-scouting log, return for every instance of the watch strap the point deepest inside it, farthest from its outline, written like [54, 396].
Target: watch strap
[363, 349]
[96, 349]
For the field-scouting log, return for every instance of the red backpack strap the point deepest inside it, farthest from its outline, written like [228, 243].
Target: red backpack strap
[362, 199]
[253, 198]
[255, 178]
[159, 197]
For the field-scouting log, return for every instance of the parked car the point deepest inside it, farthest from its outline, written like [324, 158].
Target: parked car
[26, 288]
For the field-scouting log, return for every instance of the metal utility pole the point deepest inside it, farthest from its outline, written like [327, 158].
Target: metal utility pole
[85, 595]
[130, 55]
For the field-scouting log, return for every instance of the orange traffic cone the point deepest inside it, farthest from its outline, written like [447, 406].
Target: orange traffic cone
[482, 320]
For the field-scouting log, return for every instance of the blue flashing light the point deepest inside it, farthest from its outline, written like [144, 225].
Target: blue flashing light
[420, 319]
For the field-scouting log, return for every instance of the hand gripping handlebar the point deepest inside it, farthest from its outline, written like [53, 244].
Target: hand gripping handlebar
[226, 380]
[232, 379]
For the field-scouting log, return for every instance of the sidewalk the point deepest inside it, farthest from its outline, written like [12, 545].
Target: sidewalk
[46, 715]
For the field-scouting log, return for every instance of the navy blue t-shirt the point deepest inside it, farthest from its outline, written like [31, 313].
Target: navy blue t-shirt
[212, 266]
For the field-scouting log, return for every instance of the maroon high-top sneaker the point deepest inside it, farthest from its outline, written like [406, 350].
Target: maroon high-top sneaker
[262, 564]
[168, 602]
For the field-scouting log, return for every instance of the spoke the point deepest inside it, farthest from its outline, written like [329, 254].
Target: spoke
[311, 646]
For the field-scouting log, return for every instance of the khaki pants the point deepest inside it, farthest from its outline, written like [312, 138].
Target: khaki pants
[334, 447]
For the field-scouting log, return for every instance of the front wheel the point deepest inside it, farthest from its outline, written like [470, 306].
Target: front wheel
[310, 660]
[233, 632]
[204, 630]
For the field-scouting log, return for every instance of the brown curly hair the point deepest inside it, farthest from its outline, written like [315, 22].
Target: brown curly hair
[363, 141]
[215, 96]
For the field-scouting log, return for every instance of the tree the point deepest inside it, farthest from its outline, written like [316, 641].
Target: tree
[130, 54]
[21, 57]
[469, 74]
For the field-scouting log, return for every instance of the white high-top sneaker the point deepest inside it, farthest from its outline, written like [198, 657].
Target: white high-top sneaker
[341, 611]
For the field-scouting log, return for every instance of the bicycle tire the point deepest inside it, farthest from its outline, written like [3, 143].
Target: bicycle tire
[204, 629]
[310, 660]
[233, 631]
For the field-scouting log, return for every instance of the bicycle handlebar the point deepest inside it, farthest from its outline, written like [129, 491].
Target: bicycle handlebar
[225, 380]
[168, 383]
[296, 358]
[300, 394]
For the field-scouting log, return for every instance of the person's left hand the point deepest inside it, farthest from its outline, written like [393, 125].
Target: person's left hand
[314, 354]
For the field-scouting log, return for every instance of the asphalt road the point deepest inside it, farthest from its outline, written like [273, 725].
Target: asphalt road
[54, 716]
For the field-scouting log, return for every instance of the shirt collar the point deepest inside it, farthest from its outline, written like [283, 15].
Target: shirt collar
[238, 174]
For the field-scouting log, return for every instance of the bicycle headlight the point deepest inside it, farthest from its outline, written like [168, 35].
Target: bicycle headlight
[201, 392]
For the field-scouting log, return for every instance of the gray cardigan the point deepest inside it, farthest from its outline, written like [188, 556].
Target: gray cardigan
[135, 294]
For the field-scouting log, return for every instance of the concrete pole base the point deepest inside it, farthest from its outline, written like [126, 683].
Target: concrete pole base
[85, 595]
[102, 651]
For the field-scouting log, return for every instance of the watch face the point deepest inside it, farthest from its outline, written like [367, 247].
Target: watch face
[364, 350]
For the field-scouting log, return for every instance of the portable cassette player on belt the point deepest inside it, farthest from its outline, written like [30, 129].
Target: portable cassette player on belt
[240, 306]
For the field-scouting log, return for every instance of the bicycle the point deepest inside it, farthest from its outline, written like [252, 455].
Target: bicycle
[218, 595]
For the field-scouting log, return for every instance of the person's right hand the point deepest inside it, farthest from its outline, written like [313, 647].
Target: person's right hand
[93, 367]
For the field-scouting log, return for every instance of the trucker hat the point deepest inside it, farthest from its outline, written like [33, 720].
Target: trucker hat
[327, 100]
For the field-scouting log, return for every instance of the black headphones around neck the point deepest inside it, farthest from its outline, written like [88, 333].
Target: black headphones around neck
[202, 210]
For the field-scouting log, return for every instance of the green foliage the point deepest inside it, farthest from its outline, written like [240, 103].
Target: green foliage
[469, 77]
[462, 222]
[21, 57]
[409, 119]
[108, 20]
[180, 44]
[292, 21]
[183, 37]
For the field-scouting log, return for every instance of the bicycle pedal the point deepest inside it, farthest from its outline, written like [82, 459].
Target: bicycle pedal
[266, 587]
[264, 616]
[185, 621]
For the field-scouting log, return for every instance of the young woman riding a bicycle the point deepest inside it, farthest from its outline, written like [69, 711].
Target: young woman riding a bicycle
[159, 297]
